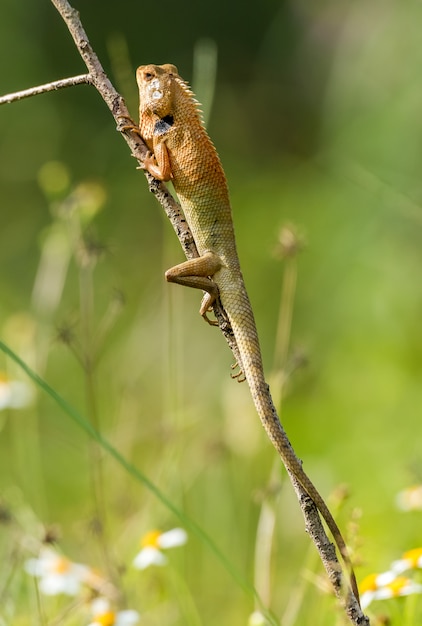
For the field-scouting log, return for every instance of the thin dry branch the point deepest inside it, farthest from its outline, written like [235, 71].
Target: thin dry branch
[83, 79]
[117, 106]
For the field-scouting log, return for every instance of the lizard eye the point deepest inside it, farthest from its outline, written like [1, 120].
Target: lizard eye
[148, 75]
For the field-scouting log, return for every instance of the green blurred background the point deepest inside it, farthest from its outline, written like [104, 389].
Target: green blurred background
[316, 117]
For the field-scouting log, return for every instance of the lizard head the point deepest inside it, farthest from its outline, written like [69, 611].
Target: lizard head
[156, 86]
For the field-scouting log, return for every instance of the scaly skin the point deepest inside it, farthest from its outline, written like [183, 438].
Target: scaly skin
[181, 151]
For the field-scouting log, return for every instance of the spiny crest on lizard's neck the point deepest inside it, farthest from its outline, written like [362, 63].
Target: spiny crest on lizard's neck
[189, 105]
[189, 109]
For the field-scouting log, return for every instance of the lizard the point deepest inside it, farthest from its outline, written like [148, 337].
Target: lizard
[181, 151]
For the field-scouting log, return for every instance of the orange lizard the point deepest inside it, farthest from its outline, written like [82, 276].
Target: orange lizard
[181, 151]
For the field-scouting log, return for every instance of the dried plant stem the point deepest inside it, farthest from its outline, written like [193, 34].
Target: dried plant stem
[265, 535]
[285, 313]
[96, 466]
[284, 329]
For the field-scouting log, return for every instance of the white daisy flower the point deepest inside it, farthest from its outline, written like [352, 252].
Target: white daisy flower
[154, 542]
[56, 573]
[103, 615]
[257, 619]
[385, 586]
[14, 394]
[410, 499]
[412, 559]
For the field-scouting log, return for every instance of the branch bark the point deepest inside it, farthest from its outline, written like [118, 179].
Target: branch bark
[97, 77]
[35, 91]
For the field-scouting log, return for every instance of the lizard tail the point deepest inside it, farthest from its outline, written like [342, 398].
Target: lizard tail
[246, 336]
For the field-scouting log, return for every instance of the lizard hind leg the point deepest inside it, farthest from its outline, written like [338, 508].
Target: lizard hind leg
[197, 273]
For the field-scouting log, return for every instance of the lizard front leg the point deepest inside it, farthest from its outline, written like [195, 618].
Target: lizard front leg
[196, 273]
[158, 163]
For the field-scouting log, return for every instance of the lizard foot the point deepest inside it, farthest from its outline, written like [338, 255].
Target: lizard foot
[129, 125]
[207, 319]
[239, 376]
[148, 163]
[206, 305]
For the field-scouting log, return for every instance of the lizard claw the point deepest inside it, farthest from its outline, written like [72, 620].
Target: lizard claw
[148, 159]
[239, 376]
[207, 319]
[149, 164]
[128, 126]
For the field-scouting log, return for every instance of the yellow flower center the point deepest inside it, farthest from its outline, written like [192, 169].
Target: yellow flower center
[106, 619]
[369, 583]
[413, 557]
[398, 584]
[150, 540]
[61, 565]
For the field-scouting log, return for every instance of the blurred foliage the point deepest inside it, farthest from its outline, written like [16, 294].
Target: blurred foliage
[316, 116]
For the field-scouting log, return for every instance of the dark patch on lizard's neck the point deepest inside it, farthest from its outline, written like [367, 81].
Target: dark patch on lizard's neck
[163, 125]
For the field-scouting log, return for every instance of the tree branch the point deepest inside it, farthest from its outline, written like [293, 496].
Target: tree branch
[35, 91]
[117, 107]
